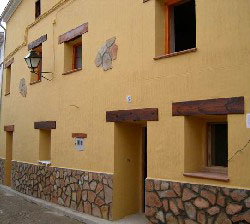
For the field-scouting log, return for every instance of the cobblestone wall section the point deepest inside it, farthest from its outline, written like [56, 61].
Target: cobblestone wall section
[85, 192]
[2, 170]
[170, 202]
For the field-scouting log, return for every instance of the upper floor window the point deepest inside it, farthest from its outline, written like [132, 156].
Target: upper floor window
[77, 56]
[72, 43]
[36, 77]
[7, 80]
[73, 55]
[180, 23]
[37, 8]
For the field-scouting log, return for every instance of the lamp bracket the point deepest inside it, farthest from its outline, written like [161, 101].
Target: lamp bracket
[46, 78]
[42, 75]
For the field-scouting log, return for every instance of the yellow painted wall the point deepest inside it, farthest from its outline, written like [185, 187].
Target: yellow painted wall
[78, 102]
[19, 21]
[9, 147]
[127, 170]
[194, 144]
[45, 145]
[160, 27]
[47, 5]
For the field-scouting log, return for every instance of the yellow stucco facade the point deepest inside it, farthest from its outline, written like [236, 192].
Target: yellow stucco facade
[78, 101]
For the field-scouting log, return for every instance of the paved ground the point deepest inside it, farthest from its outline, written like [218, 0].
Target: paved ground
[16, 210]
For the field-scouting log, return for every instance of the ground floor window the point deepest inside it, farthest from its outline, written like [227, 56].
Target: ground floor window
[218, 144]
[45, 146]
[206, 144]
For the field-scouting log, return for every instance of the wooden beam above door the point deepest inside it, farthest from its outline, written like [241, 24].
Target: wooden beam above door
[9, 128]
[45, 125]
[146, 114]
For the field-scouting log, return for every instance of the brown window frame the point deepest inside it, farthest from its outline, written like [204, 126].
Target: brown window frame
[168, 7]
[39, 51]
[7, 82]
[39, 68]
[209, 166]
[74, 55]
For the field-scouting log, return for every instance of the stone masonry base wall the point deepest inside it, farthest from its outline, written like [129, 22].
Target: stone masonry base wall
[171, 202]
[85, 192]
[2, 170]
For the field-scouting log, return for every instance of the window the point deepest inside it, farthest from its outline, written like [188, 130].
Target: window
[180, 23]
[73, 55]
[8, 79]
[72, 43]
[37, 8]
[77, 56]
[36, 77]
[206, 135]
[45, 146]
[206, 146]
[217, 144]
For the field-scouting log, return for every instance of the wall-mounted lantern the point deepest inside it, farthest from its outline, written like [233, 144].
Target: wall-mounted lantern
[32, 60]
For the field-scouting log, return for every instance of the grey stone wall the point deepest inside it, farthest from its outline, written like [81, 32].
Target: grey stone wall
[107, 54]
[85, 192]
[171, 202]
[2, 170]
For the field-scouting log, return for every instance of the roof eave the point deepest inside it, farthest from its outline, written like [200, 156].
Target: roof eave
[9, 10]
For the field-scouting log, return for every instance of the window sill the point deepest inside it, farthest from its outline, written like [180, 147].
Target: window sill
[44, 162]
[208, 175]
[175, 54]
[72, 71]
[214, 169]
[6, 94]
[32, 83]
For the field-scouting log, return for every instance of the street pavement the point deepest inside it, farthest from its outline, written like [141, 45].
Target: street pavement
[16, 210]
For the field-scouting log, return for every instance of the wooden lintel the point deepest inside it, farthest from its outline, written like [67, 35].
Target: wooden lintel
[46, 125]
[173, 2]
[9, 63]
[73, 34]
[220, 106]
[37, 42]
[9, 128]
[147, 114]
[79, 135]
[168, 2]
